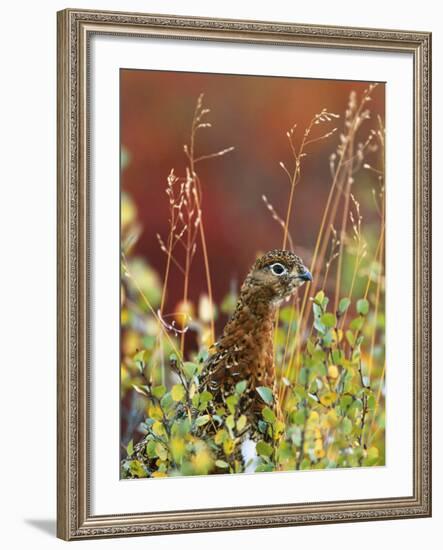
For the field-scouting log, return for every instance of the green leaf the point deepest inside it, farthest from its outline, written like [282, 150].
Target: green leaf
[321, 369]
[130, 448]
[319, 297]
[266, 394]
[167, 401]
[262, 426]
[202, 420]
[345, 401]
[268, 415]
[299, 417]
[355, 408]
[263, 448]
[328, 320]
[161, 451]
[158, 391]
[357, 323]
[303, 376]
[241, 386]
[346, 426]
[136, 468]
[285, 450]
[189, 369]
[221, 464]
[328, 338]
[265, 468]
[230, 422]
[231, 402]
[319, 326]
[205, 398]
[151, 450]
[300, 392]
[177, 392]
[362, 306]
[343, 305]
[318, 311]
[141, 356]
[350, 337]
[337, 356]
[310, 346]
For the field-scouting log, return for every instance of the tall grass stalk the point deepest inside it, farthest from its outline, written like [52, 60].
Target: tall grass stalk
[354, 118]
[298, 154]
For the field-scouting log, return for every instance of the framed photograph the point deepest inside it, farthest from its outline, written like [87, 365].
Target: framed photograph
[244, 294]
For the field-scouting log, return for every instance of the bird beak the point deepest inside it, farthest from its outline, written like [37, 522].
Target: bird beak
[306, 276]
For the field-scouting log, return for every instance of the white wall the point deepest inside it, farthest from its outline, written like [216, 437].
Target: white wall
[27, 290]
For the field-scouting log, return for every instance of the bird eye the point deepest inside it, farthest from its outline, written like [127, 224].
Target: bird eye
[278, 269]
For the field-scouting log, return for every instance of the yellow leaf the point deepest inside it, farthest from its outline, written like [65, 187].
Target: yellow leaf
[184, 313]
[373, 453]
[241, 422]
[333, 371]
[177, 392]
[314, 417]
[279, 428]
[202, 461]
[124, 317]
[228, 446]
[220, 437]
[154, 411]
[177, 447]
[319, 453]
[159, 474]
[158, 428]
[318, 448]
[333, 453]
[328, 398]
[331, 419]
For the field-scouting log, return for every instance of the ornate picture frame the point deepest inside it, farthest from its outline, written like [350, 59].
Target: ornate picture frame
[76, 28]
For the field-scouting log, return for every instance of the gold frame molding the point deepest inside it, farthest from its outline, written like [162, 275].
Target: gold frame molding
[74, 519]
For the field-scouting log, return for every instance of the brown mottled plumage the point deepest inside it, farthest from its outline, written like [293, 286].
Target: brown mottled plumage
[245, 350]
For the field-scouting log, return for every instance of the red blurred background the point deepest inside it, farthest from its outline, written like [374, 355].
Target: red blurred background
[252, 114]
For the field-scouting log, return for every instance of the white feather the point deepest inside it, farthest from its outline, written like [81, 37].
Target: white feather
[249, 455]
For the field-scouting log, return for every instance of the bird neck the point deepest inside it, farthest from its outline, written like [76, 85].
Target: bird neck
[260, 310]
[254, 315]
[258, 300]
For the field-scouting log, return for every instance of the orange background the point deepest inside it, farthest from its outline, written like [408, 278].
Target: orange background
[251, 113]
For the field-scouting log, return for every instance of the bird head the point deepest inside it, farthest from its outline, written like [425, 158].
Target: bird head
[276, 275]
